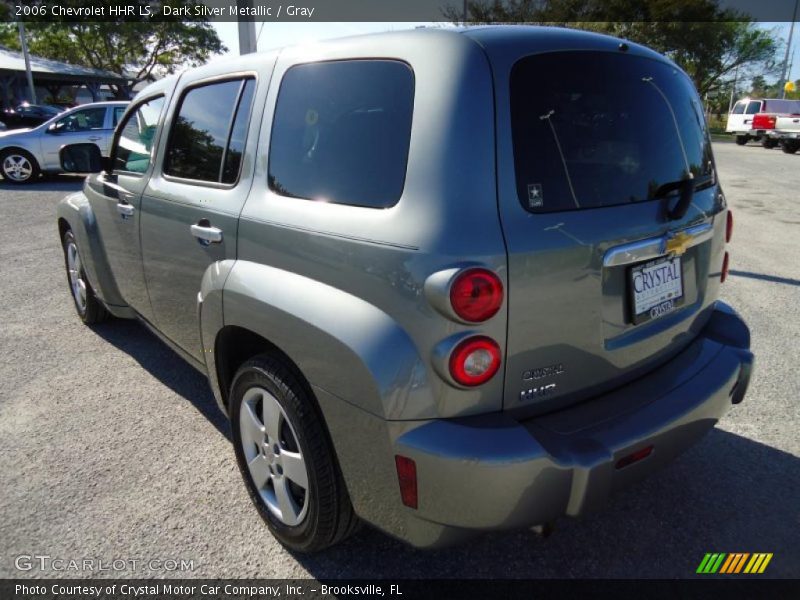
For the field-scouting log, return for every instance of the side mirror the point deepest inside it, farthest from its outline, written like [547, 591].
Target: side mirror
[82, 158]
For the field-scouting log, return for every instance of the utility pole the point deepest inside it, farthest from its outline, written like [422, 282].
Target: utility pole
[733, 89]
[247, 29]
[784, 74]
[24, 43]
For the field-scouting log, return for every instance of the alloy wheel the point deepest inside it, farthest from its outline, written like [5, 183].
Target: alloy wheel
[17, 167]
[76, 281]
[274, 460]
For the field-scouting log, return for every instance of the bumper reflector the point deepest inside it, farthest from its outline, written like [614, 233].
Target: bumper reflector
[634, 457]
[407, 477]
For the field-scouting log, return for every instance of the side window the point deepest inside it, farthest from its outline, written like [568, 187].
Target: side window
[341, 132]
[208, 135]
[135, 145]
[118, 112]
[753, 108]
[82, 120]
[738, 109]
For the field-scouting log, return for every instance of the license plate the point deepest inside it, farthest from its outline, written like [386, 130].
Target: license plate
[656, 288]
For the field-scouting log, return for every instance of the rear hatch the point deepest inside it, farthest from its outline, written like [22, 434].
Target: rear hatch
[608, 276]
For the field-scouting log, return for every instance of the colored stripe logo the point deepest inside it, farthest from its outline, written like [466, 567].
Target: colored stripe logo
[734, 563]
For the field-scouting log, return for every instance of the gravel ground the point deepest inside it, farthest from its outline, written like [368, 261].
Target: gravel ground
[112, 448]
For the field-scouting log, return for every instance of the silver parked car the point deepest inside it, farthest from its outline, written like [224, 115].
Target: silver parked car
[25, 153]
[441, 281]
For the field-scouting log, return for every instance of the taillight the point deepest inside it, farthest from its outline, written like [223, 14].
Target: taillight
[729, 227]
[475, 360]
[764, 122]
[724, 273]
[476, 295]
[407, 477]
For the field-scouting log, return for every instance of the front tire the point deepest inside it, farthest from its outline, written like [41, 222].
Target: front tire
[286, 458]
[89, 308]
[769, 143]
[18, 166]
[741, 140]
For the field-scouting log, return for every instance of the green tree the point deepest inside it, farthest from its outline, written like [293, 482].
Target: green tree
[137, 46]
[708, 42]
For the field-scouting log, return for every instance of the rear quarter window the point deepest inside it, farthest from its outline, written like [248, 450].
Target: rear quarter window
[341, 132]
[754, 107]
[591, 130]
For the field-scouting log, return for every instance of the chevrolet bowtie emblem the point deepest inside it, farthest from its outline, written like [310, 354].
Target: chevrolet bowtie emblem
[677, 243]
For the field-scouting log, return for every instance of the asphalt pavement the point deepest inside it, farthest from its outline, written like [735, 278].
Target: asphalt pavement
[112, 448]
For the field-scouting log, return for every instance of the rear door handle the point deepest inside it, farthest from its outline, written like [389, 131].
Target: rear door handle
[205, 233]
[94, 138]
[125, 209]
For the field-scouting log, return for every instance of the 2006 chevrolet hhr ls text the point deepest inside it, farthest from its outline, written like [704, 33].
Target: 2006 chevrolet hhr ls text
[441, 281]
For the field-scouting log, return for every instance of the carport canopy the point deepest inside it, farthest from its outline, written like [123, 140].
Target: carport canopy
[51, 75]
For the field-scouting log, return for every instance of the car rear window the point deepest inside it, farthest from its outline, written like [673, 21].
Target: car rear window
[341, 132]
[600, 129]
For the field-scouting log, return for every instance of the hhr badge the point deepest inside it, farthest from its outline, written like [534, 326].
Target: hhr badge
[537, 392]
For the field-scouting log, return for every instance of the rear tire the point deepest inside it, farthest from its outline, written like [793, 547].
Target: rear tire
[88, 307]
[790, 147]
[18, 166]
[741, 140]
[286, 458]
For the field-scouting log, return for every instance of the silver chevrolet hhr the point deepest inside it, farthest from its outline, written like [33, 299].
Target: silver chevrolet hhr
[441, 281]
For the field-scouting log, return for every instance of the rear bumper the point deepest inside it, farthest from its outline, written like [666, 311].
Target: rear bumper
[491, 472]
[784, 135]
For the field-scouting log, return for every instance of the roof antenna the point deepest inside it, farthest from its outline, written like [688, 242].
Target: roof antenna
[546, 117]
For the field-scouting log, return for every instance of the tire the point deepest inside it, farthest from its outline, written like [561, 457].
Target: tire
[286, 457]
[18, 166]
[89, 308]
[769, 143]
[741, 140]
[790, 147]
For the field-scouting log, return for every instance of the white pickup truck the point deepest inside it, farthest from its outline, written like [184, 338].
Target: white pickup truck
[787, 132]
[755, 119]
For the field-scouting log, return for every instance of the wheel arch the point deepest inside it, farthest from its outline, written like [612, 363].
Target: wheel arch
[74, 213]
[235, 345]
[18, 148]
[336, 341]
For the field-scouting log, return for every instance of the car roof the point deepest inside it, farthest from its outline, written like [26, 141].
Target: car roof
[104, 103]
[500, 42]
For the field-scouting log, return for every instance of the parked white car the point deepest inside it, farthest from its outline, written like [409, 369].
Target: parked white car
[25, 153]
[752, 118]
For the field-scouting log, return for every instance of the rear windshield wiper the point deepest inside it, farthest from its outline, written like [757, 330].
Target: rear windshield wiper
[685, 188]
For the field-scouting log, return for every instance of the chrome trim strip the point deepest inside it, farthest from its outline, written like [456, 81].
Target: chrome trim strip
[651, 248]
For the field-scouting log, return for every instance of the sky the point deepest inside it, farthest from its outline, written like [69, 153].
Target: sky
[275, 35]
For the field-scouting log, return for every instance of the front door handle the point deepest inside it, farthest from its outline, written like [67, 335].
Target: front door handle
[126, 210]
[94, 138]
[205, 233]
